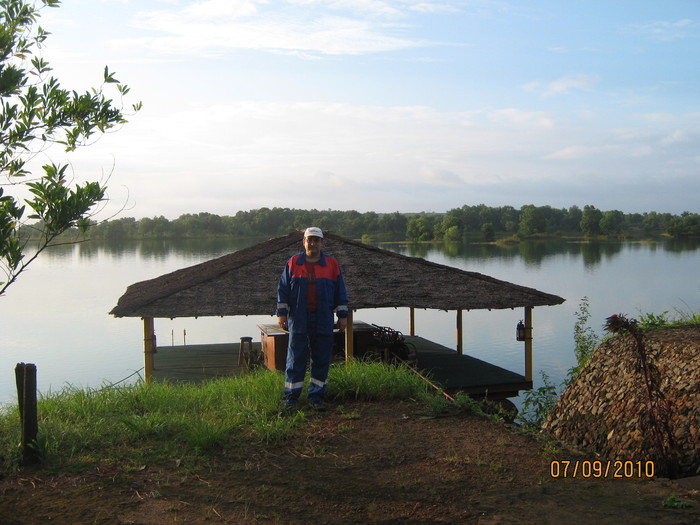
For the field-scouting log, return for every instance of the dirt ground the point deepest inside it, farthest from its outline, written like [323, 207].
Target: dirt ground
[366, 463]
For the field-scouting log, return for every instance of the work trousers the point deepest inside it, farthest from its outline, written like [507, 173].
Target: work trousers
[302, 347]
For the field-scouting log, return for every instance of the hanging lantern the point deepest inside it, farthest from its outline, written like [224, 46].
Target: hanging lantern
[520, 331]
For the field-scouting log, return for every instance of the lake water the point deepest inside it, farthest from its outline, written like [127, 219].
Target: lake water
[56, 315]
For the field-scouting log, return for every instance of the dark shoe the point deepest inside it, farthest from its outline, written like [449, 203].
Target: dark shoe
[318, 406]
[290, 408]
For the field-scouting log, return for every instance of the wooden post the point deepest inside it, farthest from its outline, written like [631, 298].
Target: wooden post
[149, 347]
[412, 321]
[349, 339]
[528, 343]
[25, 376]
[460, 349]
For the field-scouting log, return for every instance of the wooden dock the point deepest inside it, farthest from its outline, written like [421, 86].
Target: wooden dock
[444, 366]
[197, 362]
[463, 373]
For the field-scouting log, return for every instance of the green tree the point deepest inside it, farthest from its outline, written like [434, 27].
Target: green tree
[572, 219]
[449, 223]
[452, 234]
[394, 223]
[532, 220]
[590, 220]
[687, 225]
[612, 222]
[508, 219]
[36, 112]
[488, 231]
[651, 222]
[419, 229]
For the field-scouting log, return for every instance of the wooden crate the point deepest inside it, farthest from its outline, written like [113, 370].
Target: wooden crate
[274, 346]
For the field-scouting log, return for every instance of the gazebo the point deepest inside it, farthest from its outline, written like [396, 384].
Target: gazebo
[245, 283]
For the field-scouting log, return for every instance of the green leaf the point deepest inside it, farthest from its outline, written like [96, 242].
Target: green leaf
[109, 77]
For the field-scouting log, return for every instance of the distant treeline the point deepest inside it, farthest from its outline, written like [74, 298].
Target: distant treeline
[478, 222]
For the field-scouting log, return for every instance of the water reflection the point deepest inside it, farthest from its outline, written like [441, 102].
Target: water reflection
[535, 252]
[681, 245]
[60, 251]
[150, 249]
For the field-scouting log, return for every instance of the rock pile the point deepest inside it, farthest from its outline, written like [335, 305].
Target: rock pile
[605, 410]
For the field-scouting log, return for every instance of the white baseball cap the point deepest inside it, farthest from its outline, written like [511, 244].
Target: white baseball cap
[313, 231]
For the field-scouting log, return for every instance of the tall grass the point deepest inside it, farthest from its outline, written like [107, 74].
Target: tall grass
[373, 380]
[148, 423]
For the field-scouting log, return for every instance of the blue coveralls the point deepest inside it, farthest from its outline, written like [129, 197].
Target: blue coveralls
[310, 333]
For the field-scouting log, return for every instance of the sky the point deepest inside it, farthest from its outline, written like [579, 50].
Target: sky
[388, 105]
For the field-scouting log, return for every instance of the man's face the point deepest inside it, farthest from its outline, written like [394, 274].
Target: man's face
[312, 246]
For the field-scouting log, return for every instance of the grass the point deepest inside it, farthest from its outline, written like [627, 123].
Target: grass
[675, 503]
[372, 381]
[651, 321]
[149, 423]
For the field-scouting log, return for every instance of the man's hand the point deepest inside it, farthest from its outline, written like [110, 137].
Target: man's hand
[342, 324]
[282, 322]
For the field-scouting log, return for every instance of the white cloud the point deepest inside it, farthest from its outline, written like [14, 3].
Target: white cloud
[657, 117]
[330, 28]
[665, 30]
[433, 7]
[243, 155]
[217, 9]
[568, 83]
[562, 85]
[573, 153]
[373, 8]
[383, 9]
[675, 137]
[442, 177]
[247, 130]
[516, 116]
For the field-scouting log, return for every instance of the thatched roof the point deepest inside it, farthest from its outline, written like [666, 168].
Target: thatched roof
[245, 283]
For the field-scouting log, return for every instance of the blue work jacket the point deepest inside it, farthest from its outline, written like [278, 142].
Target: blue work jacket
[330, 288]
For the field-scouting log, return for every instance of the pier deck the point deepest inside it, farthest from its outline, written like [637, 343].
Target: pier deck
[197, 362]
[455, 372]
[446, 367]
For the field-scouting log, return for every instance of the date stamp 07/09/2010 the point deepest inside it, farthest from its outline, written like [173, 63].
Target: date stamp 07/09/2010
[564, 468]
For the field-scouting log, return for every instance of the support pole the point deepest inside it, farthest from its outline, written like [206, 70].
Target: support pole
[349, 339]
[149, 347]
[528, 343]
[460, 349]
[25, 376]
[412, 321]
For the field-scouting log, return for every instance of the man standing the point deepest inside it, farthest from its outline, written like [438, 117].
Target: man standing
[310, 291]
